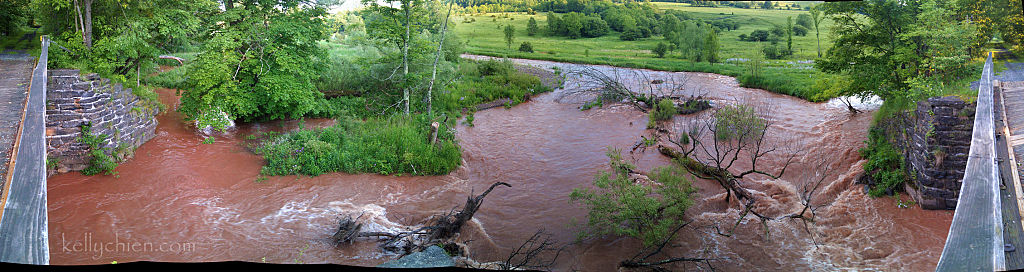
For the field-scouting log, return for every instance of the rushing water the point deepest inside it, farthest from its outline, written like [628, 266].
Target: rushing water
[190, 201]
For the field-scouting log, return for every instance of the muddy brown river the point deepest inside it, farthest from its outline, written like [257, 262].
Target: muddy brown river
[179, 200]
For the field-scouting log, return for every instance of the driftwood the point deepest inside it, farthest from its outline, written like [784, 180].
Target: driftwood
[181, 61]
[433, 132]
[441, 230]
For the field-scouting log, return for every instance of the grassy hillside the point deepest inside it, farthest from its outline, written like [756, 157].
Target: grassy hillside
[484, 36]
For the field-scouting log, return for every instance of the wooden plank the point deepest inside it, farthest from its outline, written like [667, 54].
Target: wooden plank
[23, 227]
[1011, 199]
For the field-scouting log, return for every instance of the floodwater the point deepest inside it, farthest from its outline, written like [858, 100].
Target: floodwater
[179, 200]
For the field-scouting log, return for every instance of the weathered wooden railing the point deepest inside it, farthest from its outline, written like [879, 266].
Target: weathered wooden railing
[23, 223]
[975, 240]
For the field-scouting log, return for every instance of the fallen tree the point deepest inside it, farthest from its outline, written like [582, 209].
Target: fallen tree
[713, 143]
[441, 229]
[633, 87]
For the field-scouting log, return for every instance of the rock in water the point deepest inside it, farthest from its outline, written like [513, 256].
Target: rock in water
[433, 256]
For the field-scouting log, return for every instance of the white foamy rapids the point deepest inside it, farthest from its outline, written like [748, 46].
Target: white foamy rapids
[213, 213]
[373, 216]
[223, 116]
[299, 213]
[861, 103]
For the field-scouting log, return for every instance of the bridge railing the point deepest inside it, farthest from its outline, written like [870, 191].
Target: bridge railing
[975, 239]
[23, 223]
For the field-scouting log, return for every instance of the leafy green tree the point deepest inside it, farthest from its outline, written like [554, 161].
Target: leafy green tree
[619, 206]
[630, 31]
[258, 69]
[555, 26]
[692, 41]
[397, 26]
[510, 35]
[594, 27]
[890, 48]
[711, 45]
[789, 34]
[805, 20]
[992, 17]
[128, 35]
[816, 18]
[660, 49]
[947, 40]
[531, 27]
[13, 14]
[767, 5]
[573, 24]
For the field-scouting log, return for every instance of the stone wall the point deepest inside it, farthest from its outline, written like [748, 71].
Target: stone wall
[936, 139]
[74, 100]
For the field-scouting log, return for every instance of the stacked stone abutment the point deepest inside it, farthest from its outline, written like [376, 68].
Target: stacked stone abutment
[936, 141]
[74, 100]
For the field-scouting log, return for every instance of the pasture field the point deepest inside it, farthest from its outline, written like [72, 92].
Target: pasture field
[483, 35]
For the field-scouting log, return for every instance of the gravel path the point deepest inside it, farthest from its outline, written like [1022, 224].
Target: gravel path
[1014, 72]
[15, 72]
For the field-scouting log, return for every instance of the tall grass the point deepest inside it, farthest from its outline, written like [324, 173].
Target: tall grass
[487, 81]
[388, 145]
[363, 142]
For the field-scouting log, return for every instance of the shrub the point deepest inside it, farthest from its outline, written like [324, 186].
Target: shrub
[885, 163]
[494, 67]
[101, 161]
[758, 36]
[800, 30]
[526, 47]
[660, 49]
[663, 110]
[487, 81]
[776, 51]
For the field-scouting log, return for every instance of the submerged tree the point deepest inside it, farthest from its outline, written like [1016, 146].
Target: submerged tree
[650, 208]
[713, 143]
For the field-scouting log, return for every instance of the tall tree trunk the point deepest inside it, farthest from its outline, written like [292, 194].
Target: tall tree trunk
[437, 57]
[88, 23]
[79, 24]
[405, 56]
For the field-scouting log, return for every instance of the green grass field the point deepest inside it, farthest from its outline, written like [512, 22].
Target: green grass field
[485, 37]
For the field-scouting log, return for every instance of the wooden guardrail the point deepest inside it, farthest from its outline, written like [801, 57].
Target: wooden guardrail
[23, 225]
[975, 240]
